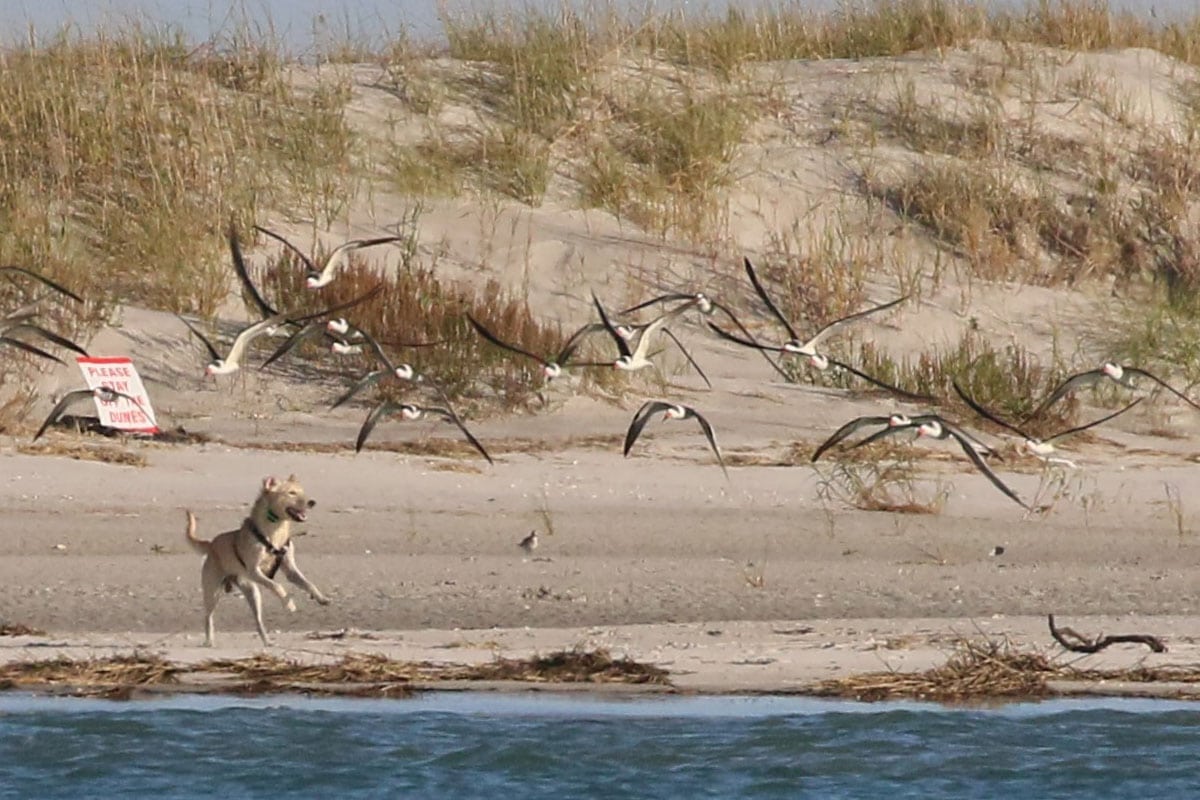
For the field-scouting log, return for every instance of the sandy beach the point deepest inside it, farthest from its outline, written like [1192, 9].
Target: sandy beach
[769, 580]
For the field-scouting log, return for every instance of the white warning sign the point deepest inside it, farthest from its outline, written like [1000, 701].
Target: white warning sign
[119, 374]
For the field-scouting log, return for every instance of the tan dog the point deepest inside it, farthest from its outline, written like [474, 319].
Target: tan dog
[264, 542]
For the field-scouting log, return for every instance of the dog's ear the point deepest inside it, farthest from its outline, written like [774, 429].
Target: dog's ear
[270, 482]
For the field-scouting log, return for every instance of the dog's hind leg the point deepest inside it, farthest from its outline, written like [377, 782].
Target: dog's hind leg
[212, 582]
[254, 600]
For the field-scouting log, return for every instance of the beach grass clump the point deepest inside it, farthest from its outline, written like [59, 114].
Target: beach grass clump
[664, 159]
[538, 64]
[127, 151]
[882, 484]
[416, 306]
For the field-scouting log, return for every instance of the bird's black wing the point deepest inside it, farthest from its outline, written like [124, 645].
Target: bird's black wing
[622, 345]
[982, 466]
[48, 335]
[893, 389]
[58, 287]
[212, 351]
[239, 266]
[61, 406]
[1093, 423]
[846, 430]
[1165, 385]
[988, 415]
[28, 348]
[688, 356]
[369, 423]
[640, 419]
[724, 334]
[491, 337]
[766, 298]
[308, 262]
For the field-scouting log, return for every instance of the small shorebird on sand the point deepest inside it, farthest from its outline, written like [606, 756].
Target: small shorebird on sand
[529, 543]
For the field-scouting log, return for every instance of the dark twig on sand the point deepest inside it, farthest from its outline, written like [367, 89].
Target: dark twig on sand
[1072, 641]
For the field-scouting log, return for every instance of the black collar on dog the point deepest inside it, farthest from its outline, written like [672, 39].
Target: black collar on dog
[278, 552]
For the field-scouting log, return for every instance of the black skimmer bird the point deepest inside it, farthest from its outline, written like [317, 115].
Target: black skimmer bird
[1122, 375]
[37, 276]
[633, 341]
[104, 394]
[936, 427]
[821, 363]
[315, 278]
[1042, 448]
[808, 348]
[410, 411]
[671, 411]
[854, 425]
[553, 366]
[708, 307]
[391, 370]
[232, 361]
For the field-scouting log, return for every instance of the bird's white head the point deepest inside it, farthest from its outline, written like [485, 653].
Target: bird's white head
[405, 372]
[624, 331]
[674, 412]
[896, 420]
[410, 412]
[551, 371]
[932, 428]
[624, 362]
[338, 326]
[217, 367]
[1113, 370]
[343, 349]
[818, 361]
[704, 303]
[315, 281]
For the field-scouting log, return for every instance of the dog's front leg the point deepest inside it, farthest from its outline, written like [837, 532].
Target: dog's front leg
[294, 575]
[259, 577]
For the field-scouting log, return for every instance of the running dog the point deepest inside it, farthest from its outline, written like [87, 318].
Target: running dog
[249, 556]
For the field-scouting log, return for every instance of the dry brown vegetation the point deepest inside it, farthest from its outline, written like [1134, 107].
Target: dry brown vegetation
[353, 674]
[989, 668]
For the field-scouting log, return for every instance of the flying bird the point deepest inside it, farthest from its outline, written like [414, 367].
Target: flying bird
[1042, 448]
[104, 394]
[1122, 375]
[633, 342]
[671, 411]
[409, 411]
[708, 307]
[795, 344]
[232, 361]
[936, 427]
[552, 366]
[390, 370]
[856, 424]
[316, 277]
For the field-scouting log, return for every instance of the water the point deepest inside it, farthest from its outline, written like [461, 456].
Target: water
[487, 746]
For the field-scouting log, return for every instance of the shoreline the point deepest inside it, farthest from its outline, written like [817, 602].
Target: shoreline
[785, 657]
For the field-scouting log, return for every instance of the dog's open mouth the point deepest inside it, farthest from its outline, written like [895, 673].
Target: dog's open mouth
[298, 514]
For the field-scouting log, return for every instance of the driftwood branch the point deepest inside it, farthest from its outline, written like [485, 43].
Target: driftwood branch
[1076, 643]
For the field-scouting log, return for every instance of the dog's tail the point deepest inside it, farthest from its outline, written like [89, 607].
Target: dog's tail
[199, 545]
